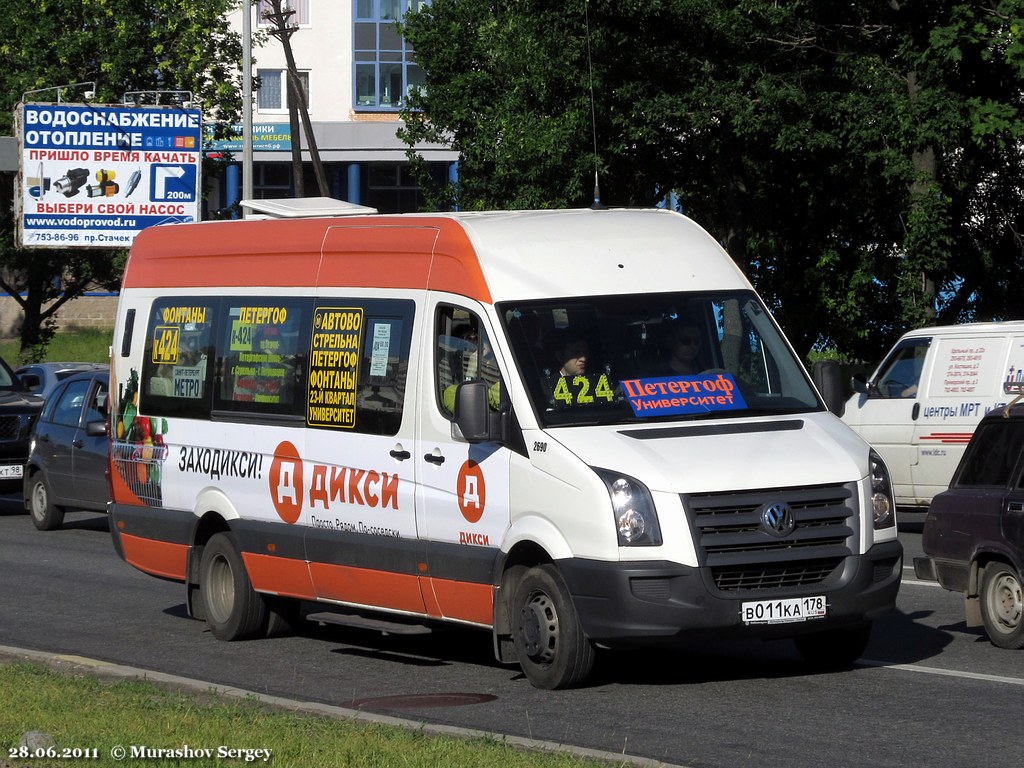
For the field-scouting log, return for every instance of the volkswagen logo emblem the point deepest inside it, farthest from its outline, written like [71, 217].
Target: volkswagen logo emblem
[777, 519]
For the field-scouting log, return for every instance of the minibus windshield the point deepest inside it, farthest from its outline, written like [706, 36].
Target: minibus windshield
[654, 357]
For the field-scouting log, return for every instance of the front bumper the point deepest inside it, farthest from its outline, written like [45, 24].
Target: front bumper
[661, 603]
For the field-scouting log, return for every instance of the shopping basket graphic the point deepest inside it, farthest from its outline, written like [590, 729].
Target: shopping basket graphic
[140, 466]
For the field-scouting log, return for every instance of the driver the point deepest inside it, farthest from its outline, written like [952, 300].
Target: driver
[684, 348]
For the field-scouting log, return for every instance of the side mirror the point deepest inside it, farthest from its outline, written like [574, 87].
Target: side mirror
[96, 428]
[859, 384]
[827, 378]
[473, 415]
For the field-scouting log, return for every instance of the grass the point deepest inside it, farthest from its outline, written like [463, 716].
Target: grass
[83, 345]
[81, 710]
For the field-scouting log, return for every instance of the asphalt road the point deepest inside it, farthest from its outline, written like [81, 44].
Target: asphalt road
[929, 691]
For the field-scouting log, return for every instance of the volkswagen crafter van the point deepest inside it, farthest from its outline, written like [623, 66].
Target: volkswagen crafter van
[481, 418]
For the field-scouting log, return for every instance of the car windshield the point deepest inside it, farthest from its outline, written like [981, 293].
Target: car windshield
[8, 379]
[654, 357]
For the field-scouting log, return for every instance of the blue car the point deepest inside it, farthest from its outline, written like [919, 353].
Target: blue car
[67, 462]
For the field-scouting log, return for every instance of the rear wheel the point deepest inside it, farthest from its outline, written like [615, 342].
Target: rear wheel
[233, 609]
[46, 516]
[553, 650]
[1002, 606]
[834, 648]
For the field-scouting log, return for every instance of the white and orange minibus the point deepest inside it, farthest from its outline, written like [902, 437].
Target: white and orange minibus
[375, 420]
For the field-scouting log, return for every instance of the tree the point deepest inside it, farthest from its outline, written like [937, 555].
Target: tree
[123, 46]
[859, 161]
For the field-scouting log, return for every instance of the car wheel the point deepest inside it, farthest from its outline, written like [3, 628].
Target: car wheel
[233, 609]
[553, 650]
[46, 516]
[1002, 606]
[834, 648]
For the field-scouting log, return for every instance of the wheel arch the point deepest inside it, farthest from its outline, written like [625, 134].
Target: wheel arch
[983, 558]
[509, 568]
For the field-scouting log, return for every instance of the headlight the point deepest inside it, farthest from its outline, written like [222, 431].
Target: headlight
[636, 522]
[883, 504]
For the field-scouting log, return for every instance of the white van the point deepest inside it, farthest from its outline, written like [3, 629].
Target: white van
[572, 429]
[920, 408]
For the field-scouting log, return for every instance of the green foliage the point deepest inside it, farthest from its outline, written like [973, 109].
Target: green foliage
[121, 45]
[860, 161]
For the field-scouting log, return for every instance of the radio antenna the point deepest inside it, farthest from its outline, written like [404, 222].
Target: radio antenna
[593, 115]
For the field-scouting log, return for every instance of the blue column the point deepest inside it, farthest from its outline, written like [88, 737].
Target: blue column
[353, 183]
[453, 179]
[232, 186]
[671, 201]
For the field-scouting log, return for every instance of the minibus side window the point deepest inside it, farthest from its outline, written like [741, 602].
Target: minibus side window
[262, 356]
[359, 364]
[176, 366]
[383, 370]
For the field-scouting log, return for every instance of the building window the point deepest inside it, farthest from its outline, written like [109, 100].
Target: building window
[300, 17]
[272, 95]
[384, 67]
[272, 180]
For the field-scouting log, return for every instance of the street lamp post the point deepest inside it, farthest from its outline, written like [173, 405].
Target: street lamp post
[247, 100]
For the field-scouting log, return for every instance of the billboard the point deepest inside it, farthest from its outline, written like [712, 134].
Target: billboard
[266, 137]
[94, 176]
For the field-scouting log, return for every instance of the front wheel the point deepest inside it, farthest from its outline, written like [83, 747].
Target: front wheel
[46, 516]
[834, 648]
[553, 650]
[233, 609]
[1002, 607]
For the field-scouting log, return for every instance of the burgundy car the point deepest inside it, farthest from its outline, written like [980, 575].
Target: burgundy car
[973, 535]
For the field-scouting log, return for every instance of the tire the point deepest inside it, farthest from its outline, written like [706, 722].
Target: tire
[46, 516]
[233, 609]
[1002, 606]
[834, 649]
[552, 648]
[282, 616]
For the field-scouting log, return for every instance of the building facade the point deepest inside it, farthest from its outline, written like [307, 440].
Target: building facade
[355, 69]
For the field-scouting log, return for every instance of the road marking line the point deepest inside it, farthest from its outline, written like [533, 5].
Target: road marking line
[943, 672]
[916, 583]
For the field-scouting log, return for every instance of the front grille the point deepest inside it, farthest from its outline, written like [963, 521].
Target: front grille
[742, 555]
[10, 427]
[776, 577]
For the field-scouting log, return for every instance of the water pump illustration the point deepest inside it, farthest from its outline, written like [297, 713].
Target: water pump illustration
[72, 181]
[106, 186]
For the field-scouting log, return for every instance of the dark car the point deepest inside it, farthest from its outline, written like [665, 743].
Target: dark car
[973, 534]
[67, 462]
[19, 409]
[42, 378]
